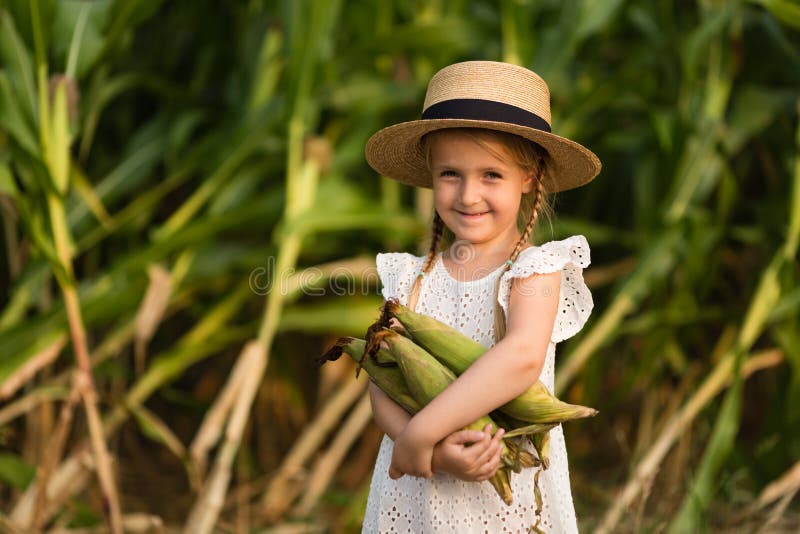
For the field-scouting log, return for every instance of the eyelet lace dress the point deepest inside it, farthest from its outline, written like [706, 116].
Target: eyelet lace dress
[445, 504]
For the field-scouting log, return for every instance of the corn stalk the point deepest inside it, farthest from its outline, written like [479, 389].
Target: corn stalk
[766, 297]
[729, 366]
[302, 175]
[55, 142]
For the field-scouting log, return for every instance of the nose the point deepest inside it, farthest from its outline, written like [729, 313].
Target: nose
[470, 193]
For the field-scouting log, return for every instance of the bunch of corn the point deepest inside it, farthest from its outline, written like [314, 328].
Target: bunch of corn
[388, 369]
[458, 352]
[424, 356]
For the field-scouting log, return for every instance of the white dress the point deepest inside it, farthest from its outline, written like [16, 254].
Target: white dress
[445, 503]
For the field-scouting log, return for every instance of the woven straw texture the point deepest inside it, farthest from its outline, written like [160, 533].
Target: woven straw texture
[490, 80]
[396, 152]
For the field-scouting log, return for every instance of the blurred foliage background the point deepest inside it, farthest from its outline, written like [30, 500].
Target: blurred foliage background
[188, 220]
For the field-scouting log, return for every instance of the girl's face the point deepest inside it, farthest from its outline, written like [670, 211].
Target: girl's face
[476, 193]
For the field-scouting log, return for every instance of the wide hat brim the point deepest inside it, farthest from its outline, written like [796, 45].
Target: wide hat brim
[397, 152]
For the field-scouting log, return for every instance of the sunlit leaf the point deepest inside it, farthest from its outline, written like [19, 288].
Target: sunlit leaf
[786, 11]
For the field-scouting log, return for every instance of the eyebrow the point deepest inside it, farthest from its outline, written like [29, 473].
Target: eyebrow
[499, 170]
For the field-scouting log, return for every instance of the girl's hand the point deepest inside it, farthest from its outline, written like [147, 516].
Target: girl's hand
[469, 455]
[412, 453]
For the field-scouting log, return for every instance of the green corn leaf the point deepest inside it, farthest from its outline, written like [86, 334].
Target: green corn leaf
[7, 184]
[12, 119]
[15, 472]
[786, 11]
[343, 315]
[59, 139]
[17, 63]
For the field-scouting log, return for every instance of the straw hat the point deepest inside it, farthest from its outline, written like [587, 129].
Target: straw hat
[482, 94]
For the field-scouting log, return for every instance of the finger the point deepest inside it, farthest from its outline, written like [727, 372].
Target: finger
[495, 458]
[477, 452]
[464, 437]
[489, 469]
[494, 468]
[494, 463]
[488, 462]
[497, 441]
[487, 454]
[484, 476]
[498, 435]
[499, 449]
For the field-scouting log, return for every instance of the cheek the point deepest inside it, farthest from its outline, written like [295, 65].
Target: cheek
[442, 194]
[509, 203]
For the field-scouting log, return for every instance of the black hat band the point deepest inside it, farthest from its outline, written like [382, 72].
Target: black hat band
[485, 110]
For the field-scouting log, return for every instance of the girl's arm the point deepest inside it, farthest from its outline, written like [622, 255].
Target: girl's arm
[502, 373]
[389, 416]
[470, 455]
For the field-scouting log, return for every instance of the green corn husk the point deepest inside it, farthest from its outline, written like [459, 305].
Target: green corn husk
[537, 434]
[537, 492]
[386, 371]
[501, 482]
[445, 343]
[515, 427]
[458, 352]
[538, 405]
[383, 371]
[386, 374]
[426, 378]
[541, 442]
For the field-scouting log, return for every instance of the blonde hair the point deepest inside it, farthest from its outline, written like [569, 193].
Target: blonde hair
[530, 157]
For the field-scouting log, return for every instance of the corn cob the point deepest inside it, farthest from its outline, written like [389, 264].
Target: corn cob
[386, 376]
[501, 482]
[390, 380]
[426, 378]
[541, 442]
[458, 352]
[422, 367]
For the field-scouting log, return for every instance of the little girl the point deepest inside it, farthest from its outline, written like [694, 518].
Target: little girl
[484, 146]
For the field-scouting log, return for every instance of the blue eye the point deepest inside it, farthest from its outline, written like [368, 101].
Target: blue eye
[493, 175]
[449, 173]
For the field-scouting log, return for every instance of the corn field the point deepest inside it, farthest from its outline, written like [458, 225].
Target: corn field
[188, 221]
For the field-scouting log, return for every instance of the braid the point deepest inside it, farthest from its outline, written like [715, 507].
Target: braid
[436, 237]
[526, 234]
[499, 317]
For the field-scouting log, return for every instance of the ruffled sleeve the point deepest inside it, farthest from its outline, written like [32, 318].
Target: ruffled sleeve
[396, 271]
[570, 256]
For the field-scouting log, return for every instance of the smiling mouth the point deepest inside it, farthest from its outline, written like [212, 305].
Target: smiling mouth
[473, 215]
